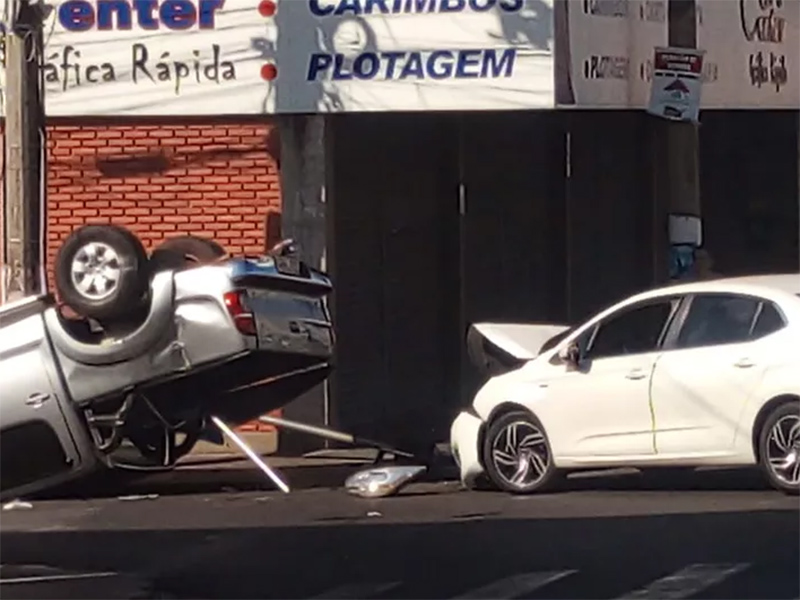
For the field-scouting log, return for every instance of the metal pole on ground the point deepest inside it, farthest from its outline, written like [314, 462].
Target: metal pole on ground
[677, 152]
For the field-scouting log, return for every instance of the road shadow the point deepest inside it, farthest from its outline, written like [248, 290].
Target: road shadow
[717, 480]
[219, 477]
[300, 562]
[738, 479]
[211, 480]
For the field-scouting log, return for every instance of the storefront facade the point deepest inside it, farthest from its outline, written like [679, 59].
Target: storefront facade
[552, 238]
[509, 183]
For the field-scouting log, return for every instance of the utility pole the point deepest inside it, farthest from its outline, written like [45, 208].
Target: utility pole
[24, 146]
[676, 149]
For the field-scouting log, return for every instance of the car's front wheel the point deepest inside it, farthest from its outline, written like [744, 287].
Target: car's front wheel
[779, 447]
[101, 272]
[517, 455]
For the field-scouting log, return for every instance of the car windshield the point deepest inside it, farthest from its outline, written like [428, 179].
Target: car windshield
[553, 341]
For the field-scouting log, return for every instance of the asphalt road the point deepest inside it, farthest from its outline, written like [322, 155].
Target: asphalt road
[715, 535]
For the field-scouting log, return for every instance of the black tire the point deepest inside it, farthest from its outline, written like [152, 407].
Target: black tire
[185, 251]
[96, 246]
[549, 477]
[151, 443]
[787, 479]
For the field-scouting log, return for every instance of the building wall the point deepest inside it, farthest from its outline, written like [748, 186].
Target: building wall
[162, 178]
[2, 216]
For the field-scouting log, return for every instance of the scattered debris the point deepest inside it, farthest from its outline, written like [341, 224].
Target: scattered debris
[268, 471]
[374, 513]
[379, 482]
[475, 516]
[17, 505]
[138, 497]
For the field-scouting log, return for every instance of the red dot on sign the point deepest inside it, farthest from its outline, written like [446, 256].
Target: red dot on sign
[266, 8]
[269, 72]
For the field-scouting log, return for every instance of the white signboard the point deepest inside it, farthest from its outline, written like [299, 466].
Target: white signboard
[677, 83]
[754, 47]
[211, 57]
[604, 52]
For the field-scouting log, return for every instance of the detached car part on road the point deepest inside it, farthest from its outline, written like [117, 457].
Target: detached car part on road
[688, 375]
[183, 336]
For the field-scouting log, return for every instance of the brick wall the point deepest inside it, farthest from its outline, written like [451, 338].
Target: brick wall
[164, 178]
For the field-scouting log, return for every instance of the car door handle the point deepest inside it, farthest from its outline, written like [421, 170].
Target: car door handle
[636, 374]
[36, 400]
[744, 363]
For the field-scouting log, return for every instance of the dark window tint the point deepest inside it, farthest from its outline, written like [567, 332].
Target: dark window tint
[769, 320]
[30, 452]
[718, 319]
[633, 331]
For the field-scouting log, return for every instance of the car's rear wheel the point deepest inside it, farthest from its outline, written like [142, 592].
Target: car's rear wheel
[185, 251]
[101, 272]
[517, 455]
[779, 447]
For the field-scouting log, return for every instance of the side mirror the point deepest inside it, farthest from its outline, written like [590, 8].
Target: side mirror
[570, 354]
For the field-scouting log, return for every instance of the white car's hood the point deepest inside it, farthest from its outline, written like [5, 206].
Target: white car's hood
[521, 341]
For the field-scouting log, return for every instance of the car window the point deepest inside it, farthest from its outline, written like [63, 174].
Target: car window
[553, 341]
[633, 331]
[718, 319]
[769, 320]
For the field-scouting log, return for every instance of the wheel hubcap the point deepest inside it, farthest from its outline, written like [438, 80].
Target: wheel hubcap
[95, 270]
[520, 455]
[783, 449]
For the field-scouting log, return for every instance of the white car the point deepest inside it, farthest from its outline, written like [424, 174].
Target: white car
[687, 375]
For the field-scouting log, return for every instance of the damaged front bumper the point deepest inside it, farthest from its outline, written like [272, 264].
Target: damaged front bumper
[465, 433]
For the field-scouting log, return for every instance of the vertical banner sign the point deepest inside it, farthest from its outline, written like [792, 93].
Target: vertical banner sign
[676, 85]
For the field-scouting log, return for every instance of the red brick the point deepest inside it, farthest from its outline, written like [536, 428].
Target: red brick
[215, 179]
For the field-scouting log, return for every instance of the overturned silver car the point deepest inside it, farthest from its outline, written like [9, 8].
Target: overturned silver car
[163, 344]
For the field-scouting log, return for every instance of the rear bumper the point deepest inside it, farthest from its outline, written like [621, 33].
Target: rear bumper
[465, 446]
[292, 324]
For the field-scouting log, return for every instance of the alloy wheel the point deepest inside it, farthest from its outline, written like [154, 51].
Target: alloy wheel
[95, 270]
[783, 449]
[520, 454]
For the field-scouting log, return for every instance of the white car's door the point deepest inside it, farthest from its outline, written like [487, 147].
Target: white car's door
[708, 371]
[603, 408]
